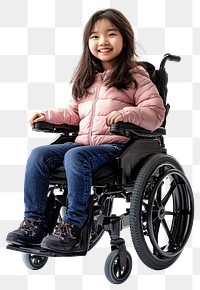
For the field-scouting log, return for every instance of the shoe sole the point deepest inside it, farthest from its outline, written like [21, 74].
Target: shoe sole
[21, 243]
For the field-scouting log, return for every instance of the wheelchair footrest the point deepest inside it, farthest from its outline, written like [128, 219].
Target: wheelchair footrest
[37, 250]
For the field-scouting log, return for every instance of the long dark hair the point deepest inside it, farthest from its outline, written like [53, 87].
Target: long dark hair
[121, 77]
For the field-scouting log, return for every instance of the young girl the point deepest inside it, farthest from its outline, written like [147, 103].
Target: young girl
[109, 85]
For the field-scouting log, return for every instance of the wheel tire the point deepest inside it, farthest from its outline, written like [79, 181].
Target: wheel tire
[112, 268]
[34, 262]
[148, 212]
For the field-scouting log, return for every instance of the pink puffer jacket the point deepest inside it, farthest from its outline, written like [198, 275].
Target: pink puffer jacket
[142, 106]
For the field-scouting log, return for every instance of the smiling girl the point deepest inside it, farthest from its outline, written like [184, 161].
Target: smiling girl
[109, 86]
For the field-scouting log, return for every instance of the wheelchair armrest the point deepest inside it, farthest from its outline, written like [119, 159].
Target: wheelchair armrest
[55, 128]
[130, 130]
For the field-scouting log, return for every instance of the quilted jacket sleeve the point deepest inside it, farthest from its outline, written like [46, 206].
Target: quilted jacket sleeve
[67, 115]
[148, 110]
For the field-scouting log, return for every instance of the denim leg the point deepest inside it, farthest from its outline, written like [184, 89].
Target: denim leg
[37, 175]
[79, 164]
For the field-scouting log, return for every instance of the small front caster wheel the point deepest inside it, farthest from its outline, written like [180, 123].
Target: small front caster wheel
[34, 262]
[112, 269]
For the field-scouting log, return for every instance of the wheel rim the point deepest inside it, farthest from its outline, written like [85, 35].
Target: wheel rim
[166, 212]
[35, 261]
[117, 272]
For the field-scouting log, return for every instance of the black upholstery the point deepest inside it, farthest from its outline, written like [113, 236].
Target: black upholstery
[105, 175]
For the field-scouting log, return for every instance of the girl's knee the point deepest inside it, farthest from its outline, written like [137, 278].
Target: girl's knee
[37, 154]
[74, 156]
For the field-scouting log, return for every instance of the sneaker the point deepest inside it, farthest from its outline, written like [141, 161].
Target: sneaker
[30, 232]
[64, 238]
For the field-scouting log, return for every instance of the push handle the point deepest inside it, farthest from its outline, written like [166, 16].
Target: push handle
[169, 57]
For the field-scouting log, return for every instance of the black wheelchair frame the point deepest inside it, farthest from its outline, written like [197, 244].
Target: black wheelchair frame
[143, 174]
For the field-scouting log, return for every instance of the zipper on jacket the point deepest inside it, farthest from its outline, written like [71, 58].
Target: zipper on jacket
[93, 110]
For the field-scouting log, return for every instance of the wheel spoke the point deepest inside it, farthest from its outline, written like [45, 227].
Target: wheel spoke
[157, 200]
[154, 215]
[156, 228]
[175, 214]
[156, 203]
[117, 268]
[169, 193]
[165, 226]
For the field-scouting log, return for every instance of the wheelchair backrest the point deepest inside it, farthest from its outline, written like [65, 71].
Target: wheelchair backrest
[160, 78]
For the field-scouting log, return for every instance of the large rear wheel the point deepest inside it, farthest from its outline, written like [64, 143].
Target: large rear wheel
[161, 211]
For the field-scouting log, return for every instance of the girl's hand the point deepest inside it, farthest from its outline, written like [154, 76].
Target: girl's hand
[37, 117]
[114, 117]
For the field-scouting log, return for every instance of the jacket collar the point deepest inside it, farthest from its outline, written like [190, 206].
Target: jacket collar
[101, 76]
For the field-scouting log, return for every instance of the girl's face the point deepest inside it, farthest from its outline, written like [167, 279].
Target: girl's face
[106, 43]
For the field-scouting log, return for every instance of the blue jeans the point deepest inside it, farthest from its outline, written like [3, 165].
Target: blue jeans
[80, 163]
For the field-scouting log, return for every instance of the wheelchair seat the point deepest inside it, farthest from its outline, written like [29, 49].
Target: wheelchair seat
[105, 175]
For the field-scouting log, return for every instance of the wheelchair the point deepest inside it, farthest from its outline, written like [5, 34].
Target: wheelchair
[160, 205]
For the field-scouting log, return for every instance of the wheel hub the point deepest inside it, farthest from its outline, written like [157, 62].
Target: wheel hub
[161, 213]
